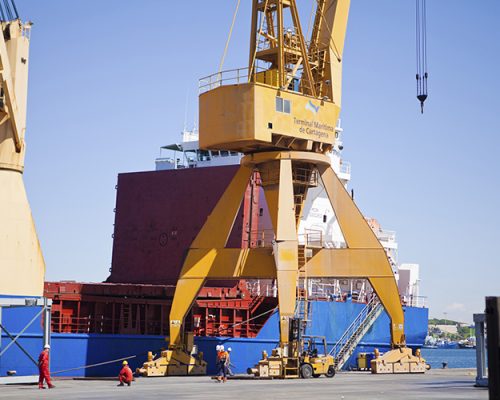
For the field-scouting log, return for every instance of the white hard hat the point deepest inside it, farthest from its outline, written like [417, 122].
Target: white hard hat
[217, 347]
[47, 346]
[221, 347]
[229, 349]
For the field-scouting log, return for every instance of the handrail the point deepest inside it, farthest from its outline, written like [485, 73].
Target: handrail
[227, 77]
[312, 238]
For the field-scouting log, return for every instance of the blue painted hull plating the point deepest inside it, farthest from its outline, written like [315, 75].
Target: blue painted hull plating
[71, 351]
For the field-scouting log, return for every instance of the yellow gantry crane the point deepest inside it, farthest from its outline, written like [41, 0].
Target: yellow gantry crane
[281, 113]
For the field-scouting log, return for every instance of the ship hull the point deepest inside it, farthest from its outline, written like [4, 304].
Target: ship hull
[72, 351]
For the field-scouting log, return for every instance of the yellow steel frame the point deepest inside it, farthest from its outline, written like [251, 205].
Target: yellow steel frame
[208, 258]
[22, 267]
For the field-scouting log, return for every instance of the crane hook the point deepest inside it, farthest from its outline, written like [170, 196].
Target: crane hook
[421, 36]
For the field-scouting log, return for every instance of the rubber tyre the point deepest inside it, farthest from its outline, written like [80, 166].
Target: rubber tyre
[331, 372]
[306, 371]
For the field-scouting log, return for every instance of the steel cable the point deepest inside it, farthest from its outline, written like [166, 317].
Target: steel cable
[229, 37]
[421, 51]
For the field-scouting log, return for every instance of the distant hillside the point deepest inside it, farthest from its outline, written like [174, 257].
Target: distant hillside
[456, 331]
[437, 321]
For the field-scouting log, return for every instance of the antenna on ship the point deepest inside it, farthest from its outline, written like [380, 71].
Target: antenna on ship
[186, 111]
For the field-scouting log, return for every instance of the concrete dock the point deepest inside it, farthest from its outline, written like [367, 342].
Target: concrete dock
[436, 384]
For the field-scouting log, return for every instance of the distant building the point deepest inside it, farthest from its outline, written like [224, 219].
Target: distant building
[451, 329]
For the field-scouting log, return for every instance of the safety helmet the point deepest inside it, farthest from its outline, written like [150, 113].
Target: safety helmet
[125, 362]
[229, 349]
[222, 347]
[47, 346]
[217, 347]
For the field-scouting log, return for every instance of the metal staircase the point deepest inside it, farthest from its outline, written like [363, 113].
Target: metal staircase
[346, 345]
[302, 304]
[303, 310]
[308, 241]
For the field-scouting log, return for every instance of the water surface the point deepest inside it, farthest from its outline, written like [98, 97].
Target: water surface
[456, 358]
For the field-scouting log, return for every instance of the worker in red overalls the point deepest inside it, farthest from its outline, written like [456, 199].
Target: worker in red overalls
[125, 376]
[43, 368]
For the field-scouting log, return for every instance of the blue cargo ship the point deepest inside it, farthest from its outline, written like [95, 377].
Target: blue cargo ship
[72, 351]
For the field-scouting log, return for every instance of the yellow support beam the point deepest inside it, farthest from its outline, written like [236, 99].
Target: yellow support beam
[209, 259]
[217, 228]
[371, 264]
[229, 263]
[348, 263]
[365, 256]
[356, 231]
[214, 234]
[279, 197]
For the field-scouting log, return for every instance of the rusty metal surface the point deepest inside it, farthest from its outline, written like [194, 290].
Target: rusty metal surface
[158, 214]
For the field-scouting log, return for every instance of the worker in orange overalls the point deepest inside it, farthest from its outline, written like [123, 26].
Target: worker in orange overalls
[222, 358]
[125, 376]
[43, 368]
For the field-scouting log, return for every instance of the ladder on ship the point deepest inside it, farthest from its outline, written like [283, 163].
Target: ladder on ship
[346, 345]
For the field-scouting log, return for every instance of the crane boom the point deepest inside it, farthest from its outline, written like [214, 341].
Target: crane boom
[327, 47]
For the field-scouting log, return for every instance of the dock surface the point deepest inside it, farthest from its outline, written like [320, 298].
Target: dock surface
[435, 384]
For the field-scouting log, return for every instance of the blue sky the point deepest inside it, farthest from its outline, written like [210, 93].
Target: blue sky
[108, 86]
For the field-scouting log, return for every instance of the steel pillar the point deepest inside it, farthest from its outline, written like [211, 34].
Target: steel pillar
[493, 342]
[482, 373]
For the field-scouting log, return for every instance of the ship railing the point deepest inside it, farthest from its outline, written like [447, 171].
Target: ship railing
[260, 238]
[415, 301]
[311, 238]
[386, 236]
[101, 324]
[227, 77]
[266, 238]
[345, 167]
[262, 287]
[228, 329]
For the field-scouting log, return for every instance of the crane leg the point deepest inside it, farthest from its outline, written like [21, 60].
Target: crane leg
[358, 235]
[280, 202]
[365, 257]
[387, 291]
[214, 234]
